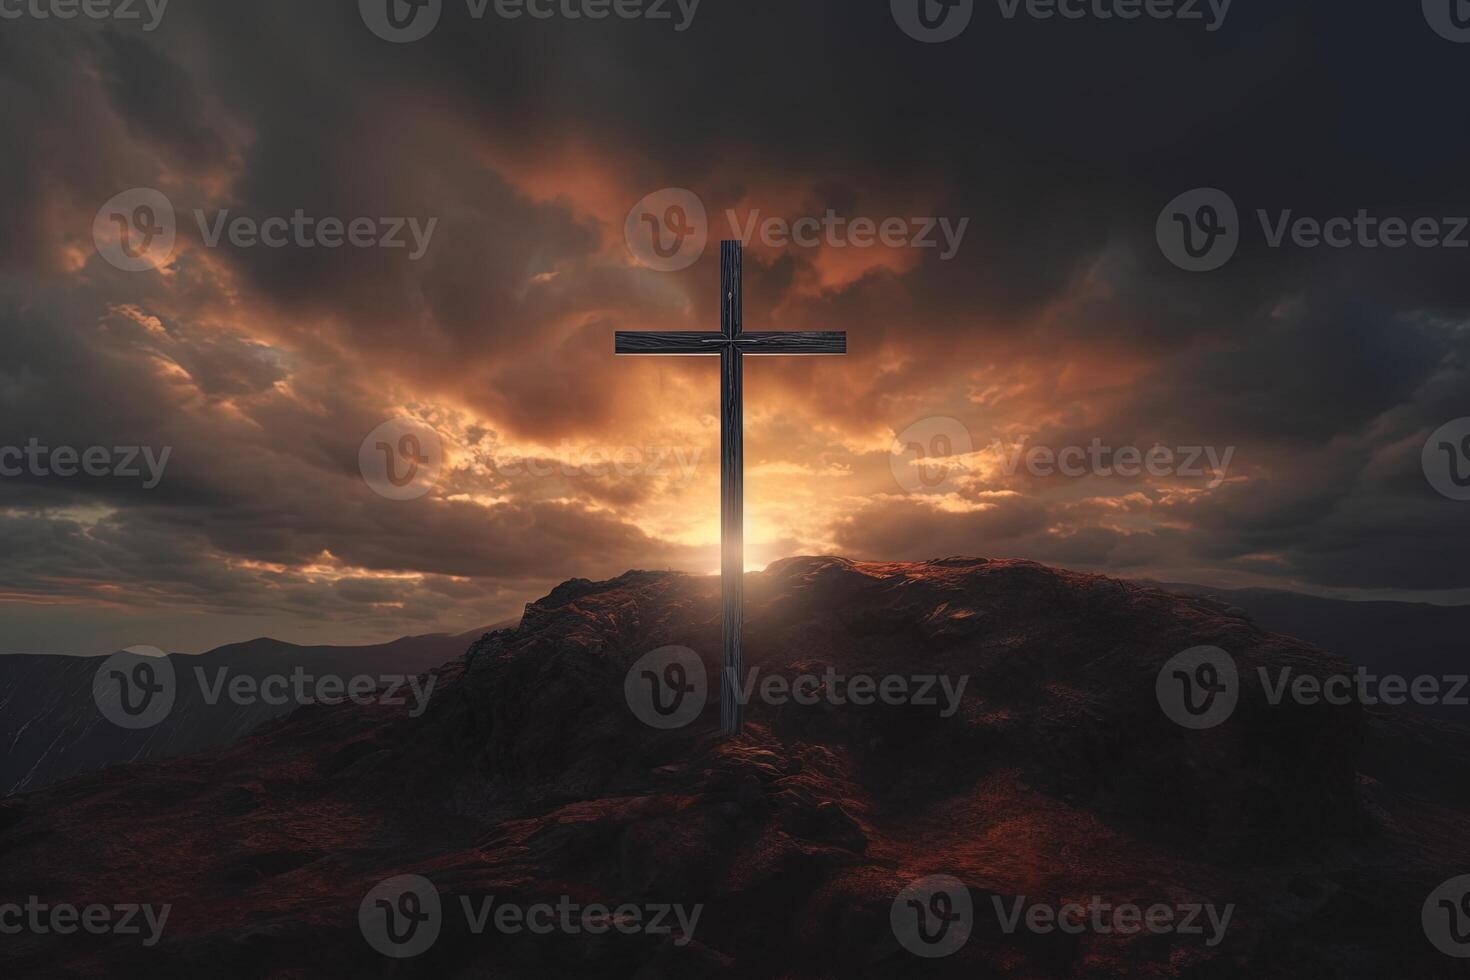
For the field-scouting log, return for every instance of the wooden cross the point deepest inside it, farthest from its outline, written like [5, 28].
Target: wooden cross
[731, 343]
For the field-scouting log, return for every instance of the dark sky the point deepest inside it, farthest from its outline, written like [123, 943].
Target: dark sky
[1057, 321]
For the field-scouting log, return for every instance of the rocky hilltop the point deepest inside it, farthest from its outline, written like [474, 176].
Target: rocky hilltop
[1013, 740]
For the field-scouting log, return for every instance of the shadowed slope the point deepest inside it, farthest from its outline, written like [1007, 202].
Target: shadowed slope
[1057, 777]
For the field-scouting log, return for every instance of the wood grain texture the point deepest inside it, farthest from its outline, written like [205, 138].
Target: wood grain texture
[732, 264]
[794, 342]
[682, 342]
[707, 342]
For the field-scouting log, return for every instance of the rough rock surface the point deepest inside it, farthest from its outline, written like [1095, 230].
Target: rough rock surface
[1058, 778]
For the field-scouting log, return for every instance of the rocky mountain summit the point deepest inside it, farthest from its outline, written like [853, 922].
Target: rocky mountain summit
[993, 730]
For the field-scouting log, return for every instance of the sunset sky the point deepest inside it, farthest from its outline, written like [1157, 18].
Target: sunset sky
[1056, 322]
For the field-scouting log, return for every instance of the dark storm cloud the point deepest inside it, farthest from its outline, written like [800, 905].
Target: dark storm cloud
[275, 484]
[158, 100]
[1060, 143]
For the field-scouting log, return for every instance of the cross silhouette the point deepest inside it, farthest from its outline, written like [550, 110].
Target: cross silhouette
[731, 343]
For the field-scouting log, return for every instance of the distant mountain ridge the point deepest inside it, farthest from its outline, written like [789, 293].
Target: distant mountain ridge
[51, 727]
[1387, 637]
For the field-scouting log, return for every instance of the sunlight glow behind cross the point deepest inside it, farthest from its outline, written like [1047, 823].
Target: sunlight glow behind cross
[731, 343]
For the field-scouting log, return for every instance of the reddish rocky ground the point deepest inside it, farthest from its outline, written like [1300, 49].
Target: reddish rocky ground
[1058, 778]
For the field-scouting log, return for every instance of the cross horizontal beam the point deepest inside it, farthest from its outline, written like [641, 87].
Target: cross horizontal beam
[697, 342]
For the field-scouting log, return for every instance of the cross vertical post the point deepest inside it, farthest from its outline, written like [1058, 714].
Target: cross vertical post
[731, 343]
[732, 491]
